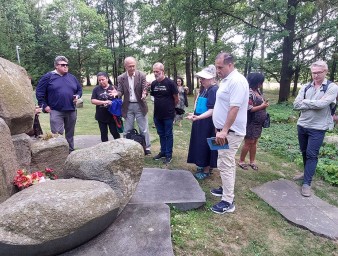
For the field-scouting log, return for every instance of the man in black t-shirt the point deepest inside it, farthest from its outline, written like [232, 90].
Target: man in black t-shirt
[165, 96]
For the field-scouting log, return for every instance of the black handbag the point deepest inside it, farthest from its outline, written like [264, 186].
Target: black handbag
[266, 123]
[179, 111]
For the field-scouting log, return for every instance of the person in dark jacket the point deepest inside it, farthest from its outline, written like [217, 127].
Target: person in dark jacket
[57, 93]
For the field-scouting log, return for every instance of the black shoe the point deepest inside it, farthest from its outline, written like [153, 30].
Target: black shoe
[148, 152]
[223, 207]
[217, 191]
[167, 160]
[159, 156]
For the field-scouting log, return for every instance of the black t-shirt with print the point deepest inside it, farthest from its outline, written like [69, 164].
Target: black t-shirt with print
[164, 102]
[102, 114]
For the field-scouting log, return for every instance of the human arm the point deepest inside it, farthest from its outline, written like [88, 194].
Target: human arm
[78, 93]
[144, 86]
[206, 114]
[41, 92]
[176, 99]
[105, 103]
[221, 136]
[328, 98]
[306, 104]
[265, 104]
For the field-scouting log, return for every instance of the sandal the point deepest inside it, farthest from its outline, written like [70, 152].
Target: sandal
[199, 169]
[254, 167]
[244, 166]
[202, 175]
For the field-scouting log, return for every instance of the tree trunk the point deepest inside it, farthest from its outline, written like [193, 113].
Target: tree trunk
[188, 71]
[288, 56]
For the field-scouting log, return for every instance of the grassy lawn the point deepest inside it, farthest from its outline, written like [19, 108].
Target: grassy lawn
[255, 228]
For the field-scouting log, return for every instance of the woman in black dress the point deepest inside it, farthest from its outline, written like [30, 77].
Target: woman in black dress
[102, 100]
[256, 116]
[203, 127]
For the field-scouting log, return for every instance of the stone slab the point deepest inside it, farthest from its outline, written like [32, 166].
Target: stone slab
[86, 141]
[311, 213]
[176, 187]
[140, 230]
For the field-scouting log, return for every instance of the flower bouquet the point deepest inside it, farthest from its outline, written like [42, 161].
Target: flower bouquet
[24, 179]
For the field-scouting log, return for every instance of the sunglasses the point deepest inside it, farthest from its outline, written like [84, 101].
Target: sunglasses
[63, 65]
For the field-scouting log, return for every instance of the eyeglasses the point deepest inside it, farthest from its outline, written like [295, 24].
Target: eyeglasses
[63, 65]
[317, 73]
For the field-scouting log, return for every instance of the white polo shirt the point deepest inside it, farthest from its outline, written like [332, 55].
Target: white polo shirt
[233, 91]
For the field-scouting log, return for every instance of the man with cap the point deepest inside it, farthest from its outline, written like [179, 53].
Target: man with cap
[203, 127]
[229, 117]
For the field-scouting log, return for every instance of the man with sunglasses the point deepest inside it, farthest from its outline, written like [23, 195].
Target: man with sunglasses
[314, 101]
[57, 93]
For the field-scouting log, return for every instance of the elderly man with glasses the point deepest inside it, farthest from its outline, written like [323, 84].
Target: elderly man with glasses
[57, 93]
[315, 101]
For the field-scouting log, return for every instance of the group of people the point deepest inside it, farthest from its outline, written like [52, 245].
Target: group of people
[58, 91]
[231, 111]
[236, 109]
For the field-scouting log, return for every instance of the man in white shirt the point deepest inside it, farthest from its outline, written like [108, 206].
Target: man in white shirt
[229, 118]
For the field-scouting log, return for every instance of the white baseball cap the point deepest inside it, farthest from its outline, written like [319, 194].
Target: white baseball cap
[207, 73]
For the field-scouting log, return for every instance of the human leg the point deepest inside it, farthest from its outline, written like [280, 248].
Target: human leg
[244, 152]
[103, 131]
[113, 130]
[252, 150]
[169, 137]
[70, 121]
[315, 141]
[142, 122]
[227, 166]
[56, 122]
[159, 124]
[129, 120]
[303, 141]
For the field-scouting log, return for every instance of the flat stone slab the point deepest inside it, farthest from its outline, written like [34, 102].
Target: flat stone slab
[140, 230]
[311, 213]
[176, 187]
[86, 141]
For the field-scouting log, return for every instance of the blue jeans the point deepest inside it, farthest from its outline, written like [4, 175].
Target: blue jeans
[310, 141]
[164, 129]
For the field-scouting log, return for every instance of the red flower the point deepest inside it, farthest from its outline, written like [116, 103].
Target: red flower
[23, 179]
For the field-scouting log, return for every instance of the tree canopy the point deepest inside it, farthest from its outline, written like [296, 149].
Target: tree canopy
[277, 37]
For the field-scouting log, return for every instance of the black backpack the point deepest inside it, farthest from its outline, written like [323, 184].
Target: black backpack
[325, 86]
[136, 136]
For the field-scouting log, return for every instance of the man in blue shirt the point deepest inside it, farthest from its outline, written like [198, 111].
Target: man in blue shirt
[57, 93]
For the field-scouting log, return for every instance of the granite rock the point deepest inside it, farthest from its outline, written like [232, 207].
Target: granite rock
[55, 216]
[118, 163]
[16, 101]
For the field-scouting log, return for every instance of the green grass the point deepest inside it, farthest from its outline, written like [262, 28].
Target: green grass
[255, 228]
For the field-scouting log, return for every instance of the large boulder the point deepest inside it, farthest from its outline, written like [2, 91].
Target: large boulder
[51, 153]
[8, 162]
[118, 163]
[22, 145]
[55, 216]
[16, 97]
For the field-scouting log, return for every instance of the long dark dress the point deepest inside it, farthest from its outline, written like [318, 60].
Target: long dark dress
[199, 151]
[255, 119]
